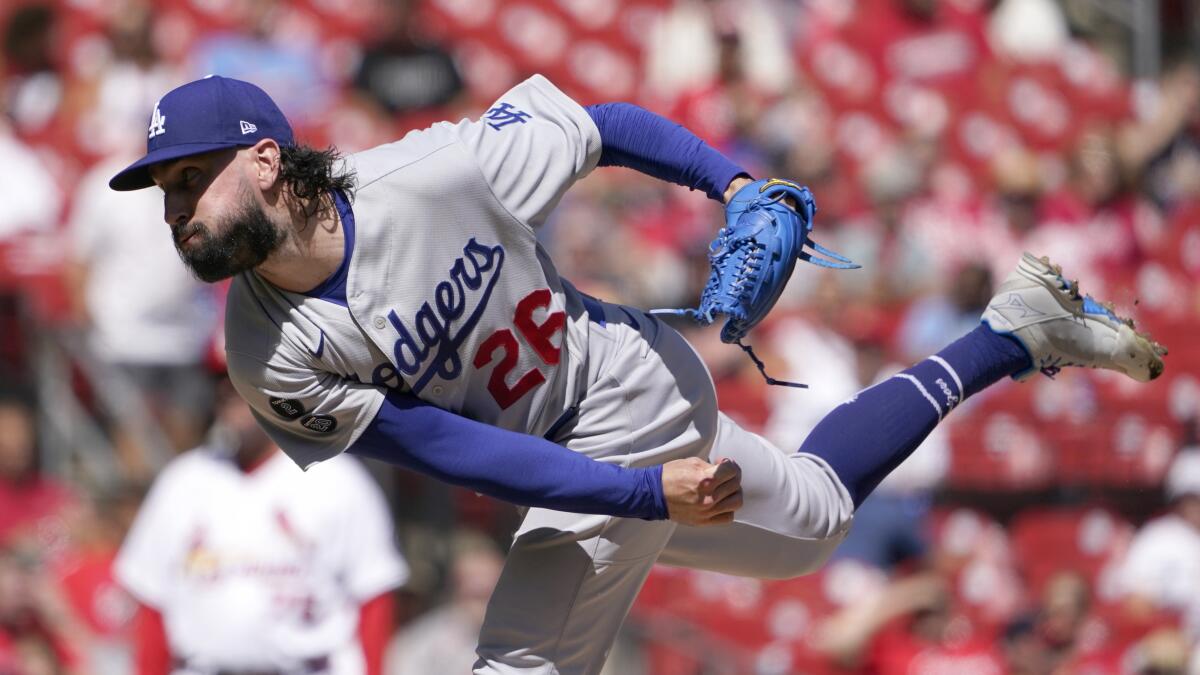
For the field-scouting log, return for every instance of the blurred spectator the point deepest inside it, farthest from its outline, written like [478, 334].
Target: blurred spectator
[144, 312]
[1162, 567]
[704, 30]
[1018, 190]
[84, 576]
[443, 640]
[31, 504]
[724, 108]
[401, 70]
[1041, 641]
[796, 133]
[934, 320]
[127, 84]
[37, 634]
[23, 173]
[912, 626]
[1028, 30]
[33, 90]
[286, 66]
[245, 563]
[1168, 140]
[912, 235]
[1164, 652]
[1093, 220]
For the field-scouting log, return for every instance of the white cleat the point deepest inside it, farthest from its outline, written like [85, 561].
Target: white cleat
[1059, 328]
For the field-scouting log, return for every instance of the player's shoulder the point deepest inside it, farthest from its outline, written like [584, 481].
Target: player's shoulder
[262, 324]
[536, 94]
[370, 165]
[252, 315]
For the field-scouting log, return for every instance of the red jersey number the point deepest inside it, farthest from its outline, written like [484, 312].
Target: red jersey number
[504, 343]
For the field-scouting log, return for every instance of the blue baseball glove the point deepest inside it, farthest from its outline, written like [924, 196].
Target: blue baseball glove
[753, 256]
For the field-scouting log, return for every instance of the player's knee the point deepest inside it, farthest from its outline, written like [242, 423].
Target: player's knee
[820, 507]
[830, 522]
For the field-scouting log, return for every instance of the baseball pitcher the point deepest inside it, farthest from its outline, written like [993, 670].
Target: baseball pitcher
[396, 304]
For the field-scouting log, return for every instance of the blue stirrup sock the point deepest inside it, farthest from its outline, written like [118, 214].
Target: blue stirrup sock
[867, 437]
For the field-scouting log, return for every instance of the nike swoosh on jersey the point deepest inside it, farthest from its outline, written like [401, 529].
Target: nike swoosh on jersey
[320, 347]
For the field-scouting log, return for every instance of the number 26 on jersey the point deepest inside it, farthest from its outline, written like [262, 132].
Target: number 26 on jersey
[503, 348]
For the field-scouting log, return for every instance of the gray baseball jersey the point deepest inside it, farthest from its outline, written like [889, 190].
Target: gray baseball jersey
[449, 294]
[450, 297]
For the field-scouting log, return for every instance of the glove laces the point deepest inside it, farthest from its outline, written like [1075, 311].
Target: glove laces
[762, 368]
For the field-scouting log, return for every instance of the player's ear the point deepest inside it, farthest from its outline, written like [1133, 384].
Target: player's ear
[267, 159]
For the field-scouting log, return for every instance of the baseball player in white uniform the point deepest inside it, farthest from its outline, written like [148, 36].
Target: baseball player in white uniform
[245, 565]
[395, 303]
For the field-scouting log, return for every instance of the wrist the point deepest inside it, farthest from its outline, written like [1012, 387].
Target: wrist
[652, 477]
[739, 181]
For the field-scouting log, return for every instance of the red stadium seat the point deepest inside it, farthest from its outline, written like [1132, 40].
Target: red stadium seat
[999, 451]
[1083, 540]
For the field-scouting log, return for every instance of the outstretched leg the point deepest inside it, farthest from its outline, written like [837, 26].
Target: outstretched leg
[798, 507]
[793, 516]
[1037, 321]
[867, 437]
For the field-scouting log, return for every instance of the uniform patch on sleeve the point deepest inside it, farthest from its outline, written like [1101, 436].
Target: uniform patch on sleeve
[504, 114]
[287, 408]
[322, 424]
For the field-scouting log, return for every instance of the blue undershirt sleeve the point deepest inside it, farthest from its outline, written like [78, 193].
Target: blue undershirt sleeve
[518, 468]
[636, 138]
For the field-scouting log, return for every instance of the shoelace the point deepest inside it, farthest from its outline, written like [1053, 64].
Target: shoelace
[1052, 368]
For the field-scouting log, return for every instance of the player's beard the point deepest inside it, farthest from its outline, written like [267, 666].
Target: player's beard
[243, 240]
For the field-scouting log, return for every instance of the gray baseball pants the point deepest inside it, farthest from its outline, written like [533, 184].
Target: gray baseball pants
[570, 579]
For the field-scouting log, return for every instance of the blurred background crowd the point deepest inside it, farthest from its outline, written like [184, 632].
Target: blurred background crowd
[1047, 527]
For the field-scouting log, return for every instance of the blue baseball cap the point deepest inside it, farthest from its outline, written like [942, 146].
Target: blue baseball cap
[209, 114]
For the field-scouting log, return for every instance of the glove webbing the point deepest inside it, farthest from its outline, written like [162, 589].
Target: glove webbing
[763, 369]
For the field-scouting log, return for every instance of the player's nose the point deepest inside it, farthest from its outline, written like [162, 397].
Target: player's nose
[176, 210]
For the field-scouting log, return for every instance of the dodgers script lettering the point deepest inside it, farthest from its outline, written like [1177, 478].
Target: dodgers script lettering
[441, 327]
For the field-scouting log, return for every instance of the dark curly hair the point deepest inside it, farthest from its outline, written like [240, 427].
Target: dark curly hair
[311, 174]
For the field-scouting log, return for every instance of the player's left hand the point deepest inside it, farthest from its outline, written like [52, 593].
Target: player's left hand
[699, 493]
[768, 224]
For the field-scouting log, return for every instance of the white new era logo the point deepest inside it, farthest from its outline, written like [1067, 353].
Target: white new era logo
[158, 123]
[248, 128]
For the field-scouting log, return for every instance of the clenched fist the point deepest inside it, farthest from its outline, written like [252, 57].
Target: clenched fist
[699, 493]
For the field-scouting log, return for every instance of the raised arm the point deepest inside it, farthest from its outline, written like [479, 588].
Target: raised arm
[633, 137]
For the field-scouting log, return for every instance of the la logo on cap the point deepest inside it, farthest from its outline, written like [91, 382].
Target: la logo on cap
[158, 123]
[248, 128]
